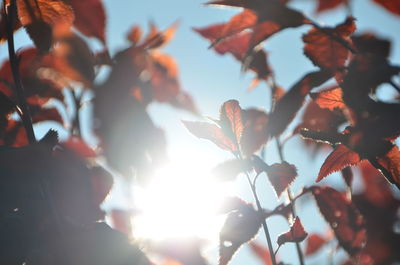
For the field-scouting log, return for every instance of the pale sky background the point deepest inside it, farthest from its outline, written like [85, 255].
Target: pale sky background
[212, 79]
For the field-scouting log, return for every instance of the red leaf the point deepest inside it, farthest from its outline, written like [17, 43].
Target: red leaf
[255, 131]
[79, 147]
[390, 5]
[281, 176]
[330, 98]
[211, 132]
[343, 217]
[296, 233]
[326, 52]
[90, 18]
[347, 175]
[239, 227]
[325, 5]
[261, 252]
[231, 119]
[272, 16]
[340, 158]
[287, 107]
[40, 16]
[314, 243]
[391, 162]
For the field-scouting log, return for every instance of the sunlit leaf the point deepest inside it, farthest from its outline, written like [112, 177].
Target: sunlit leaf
[314, 243]
[261, 252]
[340, 158]
[254, 134]
[329, 98]
[281, 176]
[230, 169]
[231, 119]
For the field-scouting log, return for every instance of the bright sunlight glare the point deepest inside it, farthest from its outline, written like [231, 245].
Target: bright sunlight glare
[181, 201]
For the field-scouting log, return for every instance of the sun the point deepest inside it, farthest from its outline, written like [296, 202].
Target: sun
[181, 201]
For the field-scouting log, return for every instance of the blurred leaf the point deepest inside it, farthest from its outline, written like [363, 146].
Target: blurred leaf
[296, 233]
[330, 98]
[281, 175]
[314, 243]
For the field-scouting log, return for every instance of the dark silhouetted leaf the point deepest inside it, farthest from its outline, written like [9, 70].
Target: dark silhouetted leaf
[121, 221]
[239, 227]
[347, 175]
[343, 217]
[296, 233]
[369, 43]
[287, 107]
[102, 182]
[281, 176]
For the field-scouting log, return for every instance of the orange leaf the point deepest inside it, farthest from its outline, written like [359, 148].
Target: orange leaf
[211, 132]
[391, 162]
[340, 158]
[281, 176]
[90, 18]
[314, 243]
[79, 147]
[329, 98]
[296, 233]
[343, 217]
[326, 52]
[231, 119]
[40, 16]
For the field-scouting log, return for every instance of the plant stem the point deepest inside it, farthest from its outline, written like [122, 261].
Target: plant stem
[290, 197]
[14, 64]
[76, 123]
[263, 220]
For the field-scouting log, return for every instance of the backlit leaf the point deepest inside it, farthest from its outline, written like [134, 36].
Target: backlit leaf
[329, 98]
[340, 158]
[230, 169]
[254, 134]
[211, 132]
[102, 182]
[391, 162]
[90, 18]
[296, 233]
[231, 119]
[325, 5]
[343, 217]
[326, 52]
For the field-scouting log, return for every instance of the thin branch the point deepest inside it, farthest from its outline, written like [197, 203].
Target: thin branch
[260, 211]
[291, 200]
[14, 63]
[76, 123]
[394, 85]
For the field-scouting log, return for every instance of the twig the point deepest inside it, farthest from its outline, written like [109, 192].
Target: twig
[14, 64]
[76, 124]
[291, 200]
[394, 85]
[263, 220]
